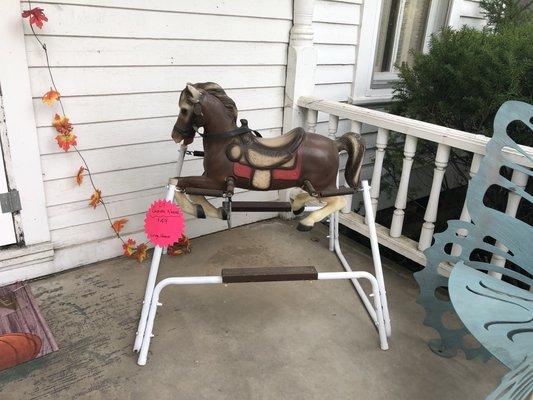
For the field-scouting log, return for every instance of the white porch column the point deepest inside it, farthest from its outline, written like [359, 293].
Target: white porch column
[300, 81]
[301, 63]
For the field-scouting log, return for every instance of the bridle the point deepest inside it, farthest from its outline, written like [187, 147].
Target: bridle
[193, 129]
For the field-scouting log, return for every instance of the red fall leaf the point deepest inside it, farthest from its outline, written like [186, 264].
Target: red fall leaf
[50, 97]
[119, 224]
[79, 176]
[36, 16]
[95, 198]
[129, 247]
[141, 252]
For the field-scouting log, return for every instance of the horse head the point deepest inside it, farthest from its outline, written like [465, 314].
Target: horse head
[190, 109]
[203, 105]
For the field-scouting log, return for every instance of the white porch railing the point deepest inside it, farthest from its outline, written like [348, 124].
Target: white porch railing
[413, 130]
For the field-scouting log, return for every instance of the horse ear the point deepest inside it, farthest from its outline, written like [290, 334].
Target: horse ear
[195, 93]
[197, 109]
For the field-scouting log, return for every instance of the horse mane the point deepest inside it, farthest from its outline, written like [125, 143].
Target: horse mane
[217, 91]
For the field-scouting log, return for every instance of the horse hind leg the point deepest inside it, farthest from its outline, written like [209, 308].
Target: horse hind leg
[188, 207]
[209, 209]
[333, 204]
[298, 203]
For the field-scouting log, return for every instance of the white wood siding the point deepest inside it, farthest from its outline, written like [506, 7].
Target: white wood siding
[120, 66]
[336, 27]
[336, 36]
[467, 12]
[471, 14]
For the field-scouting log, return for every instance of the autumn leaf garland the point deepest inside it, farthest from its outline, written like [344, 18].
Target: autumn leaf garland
[36, 16]
[66, 139]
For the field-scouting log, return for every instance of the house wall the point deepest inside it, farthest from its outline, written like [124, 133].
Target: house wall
[467, 12]
[336, 27]
[120, 66]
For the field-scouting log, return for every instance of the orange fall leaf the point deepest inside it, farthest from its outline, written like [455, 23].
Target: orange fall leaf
[140, 252]
[79, 176]
[66, 138]
[62, 124]
[182, 246]
[95, 198]
[129, 247]
[50, 97]
[65, 141]
[119, 224]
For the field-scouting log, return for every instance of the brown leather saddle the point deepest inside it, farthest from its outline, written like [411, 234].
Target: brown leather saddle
[262, 156]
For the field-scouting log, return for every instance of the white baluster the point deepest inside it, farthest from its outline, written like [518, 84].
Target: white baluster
[465, 216]
[428, 227]
[381, 145]
[312, 116]
[401, 197]
[513, 200]
[356, 127]
[333, 125]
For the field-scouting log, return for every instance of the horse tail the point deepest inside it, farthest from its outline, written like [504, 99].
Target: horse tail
[354, 145]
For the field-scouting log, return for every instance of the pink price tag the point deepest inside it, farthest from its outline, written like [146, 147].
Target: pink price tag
[164, 223]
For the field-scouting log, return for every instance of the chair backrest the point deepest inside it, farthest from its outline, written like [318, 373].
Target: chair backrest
[491, 231]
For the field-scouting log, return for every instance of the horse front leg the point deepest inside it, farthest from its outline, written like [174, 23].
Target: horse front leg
[195, 204]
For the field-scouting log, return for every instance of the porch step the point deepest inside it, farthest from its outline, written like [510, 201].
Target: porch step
[269, 274]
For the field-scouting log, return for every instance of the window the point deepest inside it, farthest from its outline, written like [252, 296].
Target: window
[390, 29]
[405, 25]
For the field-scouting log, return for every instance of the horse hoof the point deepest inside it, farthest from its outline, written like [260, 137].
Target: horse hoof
[304, 228]
[200, 213]
[298, 211]
[223, 214]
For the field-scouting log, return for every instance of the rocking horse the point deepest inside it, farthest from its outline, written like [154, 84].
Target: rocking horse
[239, 157]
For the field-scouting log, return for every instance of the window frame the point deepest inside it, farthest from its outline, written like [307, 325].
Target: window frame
[369, 86]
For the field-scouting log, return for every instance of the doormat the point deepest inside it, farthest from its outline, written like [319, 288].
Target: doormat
[24, 334]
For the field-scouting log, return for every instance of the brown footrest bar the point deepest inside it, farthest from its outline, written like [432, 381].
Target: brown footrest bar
[205, 192]
[261, 206]
[337, 192]
[269, 274]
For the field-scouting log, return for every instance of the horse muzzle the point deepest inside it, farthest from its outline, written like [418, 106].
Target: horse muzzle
[181, 134]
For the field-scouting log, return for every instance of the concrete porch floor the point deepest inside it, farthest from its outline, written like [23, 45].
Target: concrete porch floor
[290, 340]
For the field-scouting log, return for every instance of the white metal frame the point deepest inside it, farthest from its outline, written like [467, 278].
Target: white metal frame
[378, 312]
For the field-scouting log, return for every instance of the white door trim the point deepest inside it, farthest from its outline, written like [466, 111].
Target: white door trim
[20, 124]
[7, 226]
